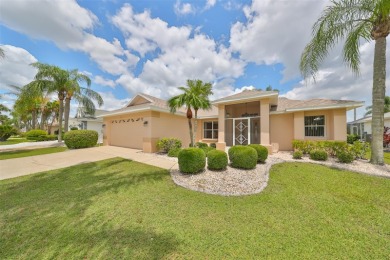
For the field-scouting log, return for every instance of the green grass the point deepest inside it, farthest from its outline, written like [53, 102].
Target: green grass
[32, 152]
[120, 209]
[15, 141]
[386, 156]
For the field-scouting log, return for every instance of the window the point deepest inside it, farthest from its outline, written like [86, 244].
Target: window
[315, 126]
[210, 130]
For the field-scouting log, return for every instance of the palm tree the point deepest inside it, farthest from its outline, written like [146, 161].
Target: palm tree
[386, 108]
[195, 97]
[354, 20]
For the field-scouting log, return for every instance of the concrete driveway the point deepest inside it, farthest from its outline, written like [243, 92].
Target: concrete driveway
[28, 165]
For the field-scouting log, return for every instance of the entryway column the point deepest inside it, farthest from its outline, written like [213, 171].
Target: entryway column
[221, 145]
[264, 124]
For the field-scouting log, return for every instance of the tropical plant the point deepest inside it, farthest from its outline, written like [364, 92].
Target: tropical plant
[6, 131]
[386, 107]
[354, 20]
[195, 96]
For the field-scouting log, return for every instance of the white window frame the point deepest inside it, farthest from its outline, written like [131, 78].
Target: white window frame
[212, 129]
[307, 126]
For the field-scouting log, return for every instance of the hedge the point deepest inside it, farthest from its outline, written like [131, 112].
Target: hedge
[318, 155]
[217, 160]
[244, 157]
[36, 134]
[81, 139]
[191, 160]
[262, 152]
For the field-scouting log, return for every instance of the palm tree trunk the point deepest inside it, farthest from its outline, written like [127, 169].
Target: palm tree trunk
[34, 118]
[61, 112]
[378, 99]
[195, 125]
[191, 132]
[66, 114]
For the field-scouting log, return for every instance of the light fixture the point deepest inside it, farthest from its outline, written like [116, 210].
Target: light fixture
[145, 123]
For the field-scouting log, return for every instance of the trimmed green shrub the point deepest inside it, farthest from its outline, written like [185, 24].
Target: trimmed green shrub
[217, 160]
[191, 160]
[318, 155]
[262, 152]
[74, 128]
[297, 154]
[174, 152]
[214, 145]
[80, 139]
[165, 144]
[207, 149]
[36, 134]
[201, 145]
[243, 157]
[352, 138]
[6, 131]
[345, 156]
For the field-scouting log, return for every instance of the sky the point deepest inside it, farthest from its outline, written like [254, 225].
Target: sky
[154, 46]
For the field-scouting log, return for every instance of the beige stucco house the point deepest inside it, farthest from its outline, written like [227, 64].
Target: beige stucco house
[249, 117]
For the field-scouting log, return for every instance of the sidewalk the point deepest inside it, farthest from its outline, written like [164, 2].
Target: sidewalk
[28, 165]
[30, 145]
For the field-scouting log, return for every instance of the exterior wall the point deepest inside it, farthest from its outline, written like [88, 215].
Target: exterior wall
[282, 130]
[221, 145]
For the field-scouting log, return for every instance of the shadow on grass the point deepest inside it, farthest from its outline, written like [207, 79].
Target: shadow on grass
[49, 215]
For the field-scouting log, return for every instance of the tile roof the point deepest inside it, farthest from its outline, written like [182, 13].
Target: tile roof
[285, 103]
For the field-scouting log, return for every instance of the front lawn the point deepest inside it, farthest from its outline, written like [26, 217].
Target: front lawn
[32, 152]
[120, 209]
[15, 140]
[386, 156]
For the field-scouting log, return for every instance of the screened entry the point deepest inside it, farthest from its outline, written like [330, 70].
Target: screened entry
[242, 131]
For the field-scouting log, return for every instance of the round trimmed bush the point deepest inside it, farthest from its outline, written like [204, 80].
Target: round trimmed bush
[217, 160]
[174, 152]
[244, 157]
[214, 145]
[262, 152]
[345, 156]
[318, 155]
[207, 149]
[192, 160]
[201, 145]
[80, 139]
[297, 155]
[36, 134]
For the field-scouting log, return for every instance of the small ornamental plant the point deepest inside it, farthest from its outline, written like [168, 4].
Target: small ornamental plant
[262, 152]
[192, 160]
[243, 157]
[297, 155]
[217, 160]
[345, 156]
[318, 155]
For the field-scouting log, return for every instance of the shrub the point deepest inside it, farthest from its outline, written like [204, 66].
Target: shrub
[214, 145]
[207, 149]
[217, 160]
[74, 128]
[360, 149]
[297, 154]
[352, 138]
[244, 157]
[165, 144]
[36, 134]
[304, 145]
[191, 160]
[6, 131]
[262, 152]
[318, 155]
[80, 139]
[345, 156]
[201, 145]
[174, 152]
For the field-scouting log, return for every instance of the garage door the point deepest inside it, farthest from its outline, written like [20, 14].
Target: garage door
[126, 133]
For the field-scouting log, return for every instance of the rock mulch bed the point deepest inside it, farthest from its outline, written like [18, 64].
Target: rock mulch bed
[236, 182]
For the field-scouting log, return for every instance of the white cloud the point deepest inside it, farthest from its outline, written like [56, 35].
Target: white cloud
[111, 102]
[68, 25]
[183, 8]
[104, 82]
[232, 5]
[210, 3]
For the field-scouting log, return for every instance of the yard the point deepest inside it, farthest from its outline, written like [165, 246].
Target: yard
[30, 152]
[15, 140]
[118, 208]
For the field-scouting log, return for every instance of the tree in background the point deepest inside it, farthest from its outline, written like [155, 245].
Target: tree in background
[386, 108]
[354, 20]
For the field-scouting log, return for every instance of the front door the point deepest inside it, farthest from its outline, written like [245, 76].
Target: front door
[241, 131]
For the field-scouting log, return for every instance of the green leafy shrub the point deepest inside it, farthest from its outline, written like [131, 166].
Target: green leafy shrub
[345, 156]
[74, 128]
[318, 155]
[352, 138]
[331, 147]
[201, 145]
[214, 145]
[262, 152]
[191, 160]
[360, 149]
[80, 139]
[36, 134]
[304, 145]
[165, 144]
[217, 160]
[174, 152]
[297, 154]
[207, 149]
[6, 131]
[243, 157]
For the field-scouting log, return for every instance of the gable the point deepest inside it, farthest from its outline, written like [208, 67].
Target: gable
[139, 100]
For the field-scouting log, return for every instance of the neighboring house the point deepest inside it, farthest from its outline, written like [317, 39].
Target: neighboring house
[86, 121]
[362, 126]
[256, 117]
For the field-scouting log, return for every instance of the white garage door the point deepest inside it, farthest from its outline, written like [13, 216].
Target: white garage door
[125, 133]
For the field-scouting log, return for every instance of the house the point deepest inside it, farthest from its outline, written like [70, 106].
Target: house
[362, 126]
[84, 120]
[249, 117]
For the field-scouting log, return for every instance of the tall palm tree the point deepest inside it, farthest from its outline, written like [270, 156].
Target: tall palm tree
[194, 96]
[354, 20]
[386, 108]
